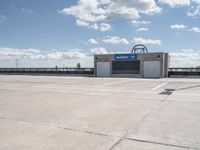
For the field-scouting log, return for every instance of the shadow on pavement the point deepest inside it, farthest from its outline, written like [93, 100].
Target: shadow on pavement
[170, 91]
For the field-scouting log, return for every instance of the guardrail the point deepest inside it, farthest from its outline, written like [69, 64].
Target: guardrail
[64, 71]
[184, 72]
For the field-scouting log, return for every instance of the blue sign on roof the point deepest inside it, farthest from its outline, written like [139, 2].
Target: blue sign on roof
[125, 57]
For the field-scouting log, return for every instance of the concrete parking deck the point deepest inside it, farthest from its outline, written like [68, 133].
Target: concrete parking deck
[80, 113]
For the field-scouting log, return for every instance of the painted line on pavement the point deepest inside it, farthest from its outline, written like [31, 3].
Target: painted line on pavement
[159, 86]
[111, 83]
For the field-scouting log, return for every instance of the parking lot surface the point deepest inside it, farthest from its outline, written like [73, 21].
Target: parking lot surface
[82, 113]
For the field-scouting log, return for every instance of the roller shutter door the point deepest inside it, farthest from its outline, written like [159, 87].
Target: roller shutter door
[103, 69]
[152, 69]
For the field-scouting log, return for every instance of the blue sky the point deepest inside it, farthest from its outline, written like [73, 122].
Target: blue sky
[63, 32]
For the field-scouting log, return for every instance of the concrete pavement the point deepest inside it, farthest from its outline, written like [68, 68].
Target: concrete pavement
[81, 113]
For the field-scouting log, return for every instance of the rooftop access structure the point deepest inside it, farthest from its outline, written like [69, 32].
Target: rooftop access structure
[138, 63]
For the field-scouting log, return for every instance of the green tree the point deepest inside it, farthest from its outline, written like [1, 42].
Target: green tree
[56, 67]
[78, 65]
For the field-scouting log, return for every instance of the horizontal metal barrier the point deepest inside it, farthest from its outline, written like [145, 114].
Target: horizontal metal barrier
[89, 71]
[184, 72]
[81, 71]
[185, 69]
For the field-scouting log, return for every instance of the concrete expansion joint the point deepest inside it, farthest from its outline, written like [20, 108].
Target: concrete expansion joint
[148, 113]
[164, 144]
[63, 128]
[119, 141]
[101, 134]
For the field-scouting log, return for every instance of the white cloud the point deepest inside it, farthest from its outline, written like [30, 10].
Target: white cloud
[132, 9]
[178, 26]
[188, 50]
[100, 10]
[99, 50]
[115, 40]
[38, 58]
[193, 6]
[185, 58]
[57, 55]
[195, 29]
[194, 10]
[86, 10]
[140, 40]
[175, 3]
[104, 27]
[82, 23]
[13, 53]
[139, 23]
[103, 2]
[92, 41]
[3, 18]
[89, 12]
[34, 57]
[94, 26]
[101, 27]
[142, 29]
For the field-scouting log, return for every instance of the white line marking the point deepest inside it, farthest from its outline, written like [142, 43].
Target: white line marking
[64, 90]
[59, 89]
[159, 86]
[42, 86]
[111, 83]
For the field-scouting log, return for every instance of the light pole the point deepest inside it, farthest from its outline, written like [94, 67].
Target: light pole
[17, 62]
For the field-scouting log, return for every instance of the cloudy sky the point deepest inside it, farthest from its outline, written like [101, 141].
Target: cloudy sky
[45, 33]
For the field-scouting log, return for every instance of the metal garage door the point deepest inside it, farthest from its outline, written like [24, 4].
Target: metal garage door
[152, 69]
[103, 69]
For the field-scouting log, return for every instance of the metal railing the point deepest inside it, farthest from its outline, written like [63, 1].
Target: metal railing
[89, 71]
[184, 72]
[81, 71]
[185, 69]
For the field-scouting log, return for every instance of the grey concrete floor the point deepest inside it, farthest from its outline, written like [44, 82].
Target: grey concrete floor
[81, 113]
